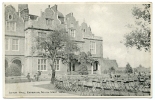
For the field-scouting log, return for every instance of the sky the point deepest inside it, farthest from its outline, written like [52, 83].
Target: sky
[108, 21]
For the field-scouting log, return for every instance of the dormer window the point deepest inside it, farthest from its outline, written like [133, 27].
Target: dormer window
[10, 26]
[84, 30]
[48, 21]
[42, 34]
[71, 32]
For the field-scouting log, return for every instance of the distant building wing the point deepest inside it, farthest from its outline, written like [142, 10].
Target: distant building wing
[106, 64]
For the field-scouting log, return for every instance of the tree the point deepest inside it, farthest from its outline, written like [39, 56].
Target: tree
[70, 59]
[135, 70]
[57, 44]
[112, 69]
[140, 36]
[84, 59]
[128, 69]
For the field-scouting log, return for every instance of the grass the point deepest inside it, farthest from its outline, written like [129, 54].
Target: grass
[16, 79]
[22, 79]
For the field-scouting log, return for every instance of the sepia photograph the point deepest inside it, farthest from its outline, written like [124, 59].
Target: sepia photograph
[77, 50]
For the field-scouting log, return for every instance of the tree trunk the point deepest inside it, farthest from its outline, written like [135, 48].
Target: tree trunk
[53, 71]
[53, 76]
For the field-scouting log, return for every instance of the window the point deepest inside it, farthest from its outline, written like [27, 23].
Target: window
[92, 47]
[71, 32]
[11, 26]
[84, 30]
[41, 37]
[6, 44]
[48, 21]
[56, 65]
[42, 34]
[10, 17]
[42, 64]
[15, 44]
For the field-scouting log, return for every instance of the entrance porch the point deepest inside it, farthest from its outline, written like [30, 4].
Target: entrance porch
[78, 69]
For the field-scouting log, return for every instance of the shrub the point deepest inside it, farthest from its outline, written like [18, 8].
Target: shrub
[83, 70]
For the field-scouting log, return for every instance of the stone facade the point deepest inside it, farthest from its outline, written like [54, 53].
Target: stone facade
[28, 26]
[14, 38]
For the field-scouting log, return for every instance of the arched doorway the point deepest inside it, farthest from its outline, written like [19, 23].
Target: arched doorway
[17, 64]
[15, 68]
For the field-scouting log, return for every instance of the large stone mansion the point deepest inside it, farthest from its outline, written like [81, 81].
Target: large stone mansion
[21, 27]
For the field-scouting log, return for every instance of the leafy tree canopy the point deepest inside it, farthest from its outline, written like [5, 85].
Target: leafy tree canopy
[54, 45]
[84, 58]
[140, 36]
[128, 69]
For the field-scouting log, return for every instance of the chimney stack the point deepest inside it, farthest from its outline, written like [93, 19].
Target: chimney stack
[55, 7]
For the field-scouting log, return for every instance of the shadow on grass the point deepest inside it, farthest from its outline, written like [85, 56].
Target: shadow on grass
[46, 86]
[16, 80]
[51, 88]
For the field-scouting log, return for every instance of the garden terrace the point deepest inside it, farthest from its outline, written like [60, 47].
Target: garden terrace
[99, 85]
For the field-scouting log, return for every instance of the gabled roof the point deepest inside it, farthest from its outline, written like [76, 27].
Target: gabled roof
[49, 13]
[106, 64]
[60, 14]
[10, 7]
[70, 14]
[56, 10]
[22, 7]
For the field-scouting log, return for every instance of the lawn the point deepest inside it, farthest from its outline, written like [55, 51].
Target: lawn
[16, 79]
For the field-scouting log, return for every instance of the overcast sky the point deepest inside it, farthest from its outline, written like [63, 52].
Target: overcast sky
[108, 21]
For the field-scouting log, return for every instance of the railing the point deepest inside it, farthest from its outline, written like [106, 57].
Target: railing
[99, 86]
